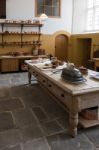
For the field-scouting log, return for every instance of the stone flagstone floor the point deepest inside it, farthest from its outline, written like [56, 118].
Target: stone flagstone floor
[31, 120]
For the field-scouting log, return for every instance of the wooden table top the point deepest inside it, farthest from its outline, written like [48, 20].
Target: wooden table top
[95, 59]
[91, 85]
[20, 56]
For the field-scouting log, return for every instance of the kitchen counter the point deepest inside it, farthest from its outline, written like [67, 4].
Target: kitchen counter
[21, 56]
[10, 63]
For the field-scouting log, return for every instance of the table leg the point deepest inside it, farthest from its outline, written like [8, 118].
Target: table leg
[95, 67]
[29, 77]
[73, 123]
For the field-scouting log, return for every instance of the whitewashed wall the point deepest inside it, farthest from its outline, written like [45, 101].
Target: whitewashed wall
[79, 16]
[25, 9]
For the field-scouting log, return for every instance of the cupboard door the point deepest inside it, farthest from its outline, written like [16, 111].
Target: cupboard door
[4, 65]
[9, 65]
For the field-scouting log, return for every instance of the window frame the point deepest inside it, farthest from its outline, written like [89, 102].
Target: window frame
[36, 6]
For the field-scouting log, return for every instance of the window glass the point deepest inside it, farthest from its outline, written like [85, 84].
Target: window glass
[55, 11]
[96, 2]
[90, 3]
[40, 2]
[48, 10]
[89, 19]
[48, 2]
[97, 18]
[40, 10]
[56, 3]
[92, 22]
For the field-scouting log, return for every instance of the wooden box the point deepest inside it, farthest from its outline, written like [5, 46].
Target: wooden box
[90, 113]
[24, 67]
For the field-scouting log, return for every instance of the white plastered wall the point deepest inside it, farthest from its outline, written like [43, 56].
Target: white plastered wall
[25, 9]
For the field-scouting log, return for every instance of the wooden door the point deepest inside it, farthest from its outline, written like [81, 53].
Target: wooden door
[61, 47]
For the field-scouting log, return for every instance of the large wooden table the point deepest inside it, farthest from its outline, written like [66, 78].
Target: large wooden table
[76, 97]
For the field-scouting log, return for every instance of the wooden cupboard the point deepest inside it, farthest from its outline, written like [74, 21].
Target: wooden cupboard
[9, 65]
[13, 64]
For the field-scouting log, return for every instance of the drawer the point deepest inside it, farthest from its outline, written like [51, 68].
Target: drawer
[63, 96]
[31, 71]
[42, 80]
[58, 92]
[34, 73]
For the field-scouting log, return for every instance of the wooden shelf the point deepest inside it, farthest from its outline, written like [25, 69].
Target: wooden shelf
[20, 23]
[19, 33]
[88, 123]
[20, 43]
[12, 56]
[27, 33]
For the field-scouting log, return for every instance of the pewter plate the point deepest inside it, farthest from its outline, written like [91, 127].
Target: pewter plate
[75, 82]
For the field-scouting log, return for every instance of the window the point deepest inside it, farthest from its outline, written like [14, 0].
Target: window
[50, 7]
[92, 15]
[2, 9]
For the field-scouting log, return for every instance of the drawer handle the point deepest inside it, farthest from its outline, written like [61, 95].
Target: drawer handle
[36, 75]
[49, 85]
[43, 81]
[62, 95]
